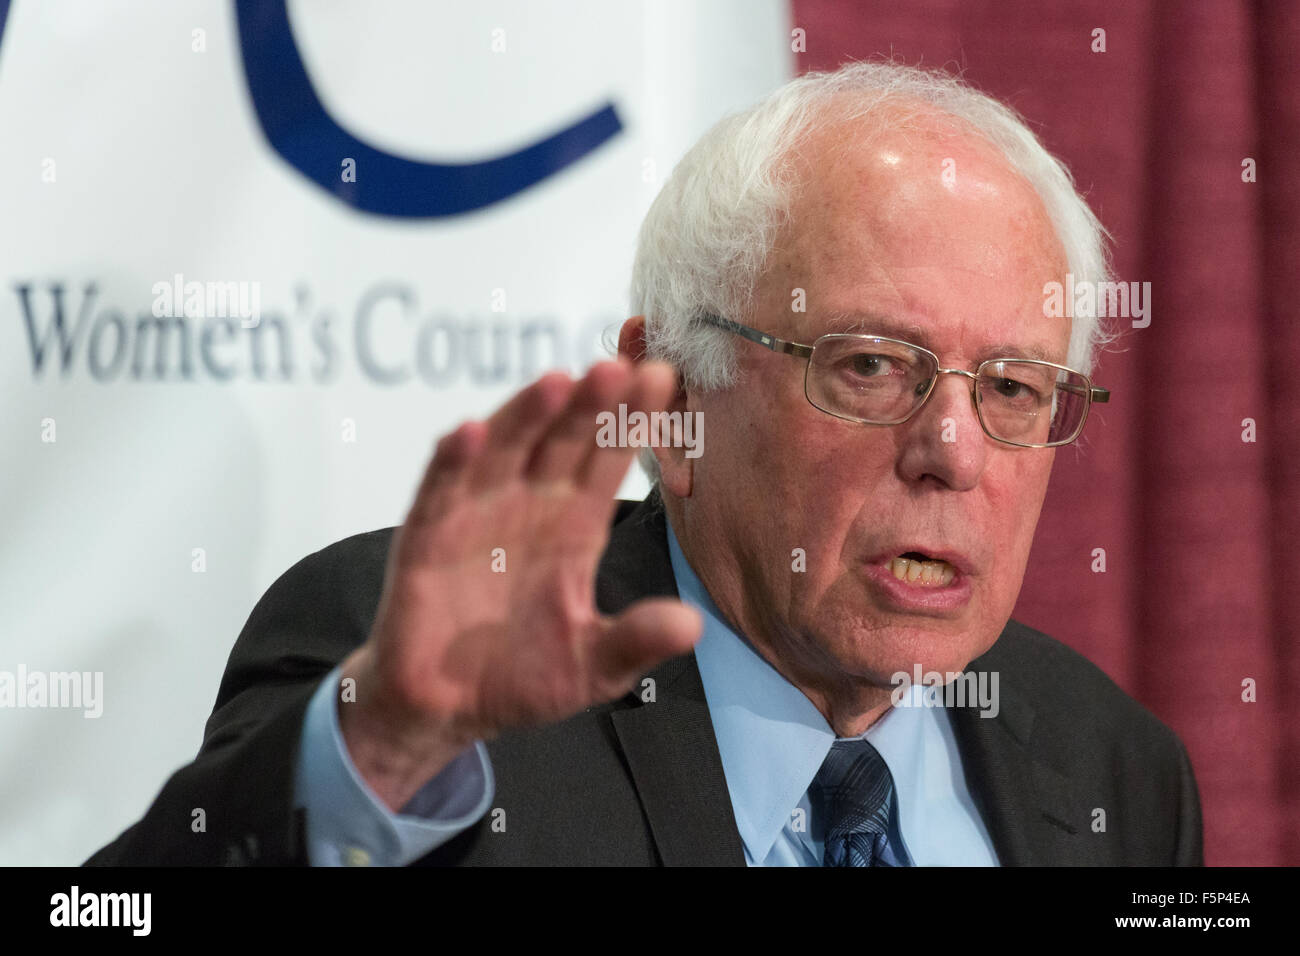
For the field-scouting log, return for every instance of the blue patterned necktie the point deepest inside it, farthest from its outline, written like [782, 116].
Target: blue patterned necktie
[855, 792]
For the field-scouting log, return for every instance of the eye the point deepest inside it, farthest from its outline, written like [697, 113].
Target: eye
[870, 364]
[1015, 391]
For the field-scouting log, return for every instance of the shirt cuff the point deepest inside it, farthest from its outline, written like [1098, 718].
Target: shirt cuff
[348, 824]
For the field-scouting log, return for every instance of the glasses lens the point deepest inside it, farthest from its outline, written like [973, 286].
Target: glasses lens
[1032, 403]
[867, 379]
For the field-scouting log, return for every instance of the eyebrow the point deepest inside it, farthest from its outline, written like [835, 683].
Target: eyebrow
[878, 323]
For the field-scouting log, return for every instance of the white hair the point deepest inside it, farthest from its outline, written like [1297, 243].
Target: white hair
[709, 232]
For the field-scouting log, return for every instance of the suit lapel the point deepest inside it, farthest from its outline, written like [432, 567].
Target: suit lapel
[669, 742]
[1030, 805]
[673, 756]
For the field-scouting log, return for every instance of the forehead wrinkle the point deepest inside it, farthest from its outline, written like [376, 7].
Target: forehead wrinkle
[877, 323]
[1009, 350]
[854, 322]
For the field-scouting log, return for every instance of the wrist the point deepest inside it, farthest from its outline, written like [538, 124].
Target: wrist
[395, 752]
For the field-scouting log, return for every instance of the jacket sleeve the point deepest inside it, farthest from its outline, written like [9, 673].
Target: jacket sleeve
[234, 803]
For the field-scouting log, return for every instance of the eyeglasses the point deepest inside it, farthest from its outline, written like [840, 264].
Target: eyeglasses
[882, 381]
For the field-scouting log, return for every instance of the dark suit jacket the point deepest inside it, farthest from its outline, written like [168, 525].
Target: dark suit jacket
[642, 783]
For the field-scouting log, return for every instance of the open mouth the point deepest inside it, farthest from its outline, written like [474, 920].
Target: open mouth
[921, 569]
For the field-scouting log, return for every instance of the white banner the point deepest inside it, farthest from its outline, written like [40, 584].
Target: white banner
[253, 261]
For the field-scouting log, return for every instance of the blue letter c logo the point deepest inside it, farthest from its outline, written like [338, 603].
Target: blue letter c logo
[308, 139]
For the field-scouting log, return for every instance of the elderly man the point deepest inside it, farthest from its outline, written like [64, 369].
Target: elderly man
[846, 285]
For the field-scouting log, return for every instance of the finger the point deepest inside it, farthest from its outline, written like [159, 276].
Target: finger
[446, 471]
[652, 390]
[515, 429]
[644, 635]
[566, 443]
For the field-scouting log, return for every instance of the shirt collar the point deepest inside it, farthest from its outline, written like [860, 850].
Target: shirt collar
[771, 738]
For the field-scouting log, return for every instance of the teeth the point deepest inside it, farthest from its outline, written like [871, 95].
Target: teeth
[924, 573]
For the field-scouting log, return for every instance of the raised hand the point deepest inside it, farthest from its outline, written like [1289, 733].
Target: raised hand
[488, 618]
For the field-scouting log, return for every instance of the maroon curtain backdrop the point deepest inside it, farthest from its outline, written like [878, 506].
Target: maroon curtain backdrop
[1201, 589]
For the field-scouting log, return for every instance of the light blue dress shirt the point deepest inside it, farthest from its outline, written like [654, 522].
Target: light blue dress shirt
[771, 738]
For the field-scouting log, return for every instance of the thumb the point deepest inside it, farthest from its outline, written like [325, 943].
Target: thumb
[645, 634]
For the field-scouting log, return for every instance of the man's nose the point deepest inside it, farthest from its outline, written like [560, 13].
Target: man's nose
[944, 439]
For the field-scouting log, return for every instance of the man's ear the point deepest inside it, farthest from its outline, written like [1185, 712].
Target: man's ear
[631, 338]
[676, 471]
